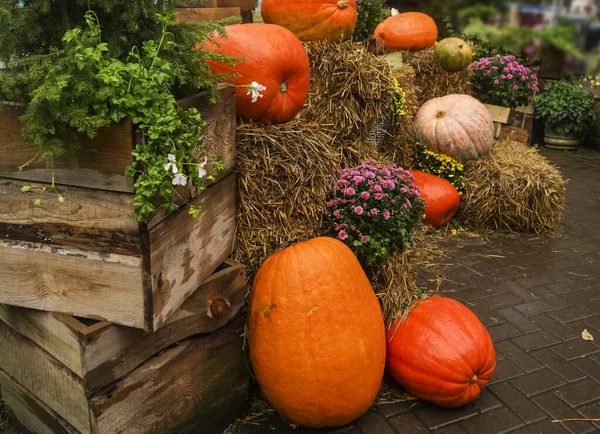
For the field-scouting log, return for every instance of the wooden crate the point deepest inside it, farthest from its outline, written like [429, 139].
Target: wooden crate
[515, 124]
[203, 14]
[90, 257]
[86, 377]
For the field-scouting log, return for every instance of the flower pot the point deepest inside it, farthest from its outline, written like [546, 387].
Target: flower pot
[556, 138]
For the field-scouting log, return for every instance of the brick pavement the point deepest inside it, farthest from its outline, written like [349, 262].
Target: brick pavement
[535, 296]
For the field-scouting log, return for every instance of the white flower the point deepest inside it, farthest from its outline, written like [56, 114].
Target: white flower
[255, 90]
[171, 164]
[179, 179]
[394, 11]
[201, 169]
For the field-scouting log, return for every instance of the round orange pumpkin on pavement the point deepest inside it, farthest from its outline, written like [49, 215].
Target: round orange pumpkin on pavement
[313, 20]
[441, 353]
[316, 334]
[273, 58]
[441, 196]
[407, 31]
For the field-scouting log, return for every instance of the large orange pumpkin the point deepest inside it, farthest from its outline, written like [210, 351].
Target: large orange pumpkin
[272, 57]
[316, 334]
[456, 125]
[313, 20]
[441, 353]
[441, 197]
[407, 31]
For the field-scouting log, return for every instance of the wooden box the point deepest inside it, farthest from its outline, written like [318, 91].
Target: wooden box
[197, 15]
[60, 374]
[89, 256]
[515, 124]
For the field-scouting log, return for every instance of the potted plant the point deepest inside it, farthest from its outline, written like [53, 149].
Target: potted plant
[568, 112]
[506, 87]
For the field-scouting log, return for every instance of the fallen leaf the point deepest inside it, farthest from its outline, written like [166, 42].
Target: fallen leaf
[587, 335]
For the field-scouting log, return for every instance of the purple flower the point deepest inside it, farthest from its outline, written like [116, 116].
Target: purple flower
[370, 175]
[386, 214]
[515, 87]
[505, 69]
[378, 196]
[503, 77]
[404, 190]
[365, 195]
[342, 235]
[357, 179]
[330, 203]
[496, 82]
[359, 210]
[350, 191]
[408, 204]
[509, 76]
[343, 182]
[336, 213]
[377, 188]
[374, 211]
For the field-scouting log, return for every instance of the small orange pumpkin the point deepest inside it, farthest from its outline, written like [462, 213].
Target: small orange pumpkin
[313, 20]
[407, 31]
[274, 58]
[316, 334]
[441, 196]
[441, 353]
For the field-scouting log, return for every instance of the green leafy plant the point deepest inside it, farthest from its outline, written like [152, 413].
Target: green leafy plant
[374, 209]
[370, 14]
[566, 108]
[80, 87]
[441, 165]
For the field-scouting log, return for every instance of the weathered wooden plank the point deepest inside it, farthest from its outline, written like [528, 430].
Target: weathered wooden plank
[243, 4]
[50, 331]
[45, 377]
[197, 15]
[513, 133]
[184, 251]
[110, 351]
[196, 3]
[200, 385]
[499, 113]
[101, 161]
[92, 219]
[29, 412]
[77, 282]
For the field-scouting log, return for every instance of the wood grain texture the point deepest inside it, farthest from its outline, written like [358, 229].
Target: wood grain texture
[184, 251]
[92, 219]
[499, 114]
[48, 330]
[45, 377]
[111, 351]
[197, 15]
[101, 161]
[76, 282]
[199, 385]
[196, 3]
[243, 4]
[29, 412]
[513, 133]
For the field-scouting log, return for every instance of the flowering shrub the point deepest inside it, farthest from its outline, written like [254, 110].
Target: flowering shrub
[373, 209]
[441, 165]
[501, 80]
[399, 106]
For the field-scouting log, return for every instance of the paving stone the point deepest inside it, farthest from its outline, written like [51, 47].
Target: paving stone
[536, 340]
[591, 411]
[564, 286]
[558, 409]
[436, 417]
[375, 423]
[486, 401]
[502, 300]
[533, 281]
[518, 356]
[501, 420]
[546, 427]
[395, 408]
[579, 393]
[517, 319]
[501, 332]
[535, 307]
[588, 366]
[558, 364]
[405, 423]
[575, 348]
[505, 369]
[570, 313]
[537, 382]
[522, 406]
[558, 300]
[553, 326]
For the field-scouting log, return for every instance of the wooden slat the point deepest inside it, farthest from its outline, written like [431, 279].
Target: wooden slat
[513, 133]
[30, 412]
[76, 282]
[196, 3]
[499, 114]
[243, 4]
[184, 251]
[92, 219]
[197, 15]
[45, 377]
[101, 161]
[110, 351]
[200, 385]
[48, 330]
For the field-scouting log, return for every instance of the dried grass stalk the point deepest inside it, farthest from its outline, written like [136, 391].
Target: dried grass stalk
[432, 80]
[513, 189]
[350, 88]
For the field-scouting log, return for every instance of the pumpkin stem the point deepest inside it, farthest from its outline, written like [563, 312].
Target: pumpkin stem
[440, 114]
[473, 379]
[343, 4]
[283, 87]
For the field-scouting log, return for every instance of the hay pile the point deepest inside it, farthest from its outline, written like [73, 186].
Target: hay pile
[432, 80]
[514, 189]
